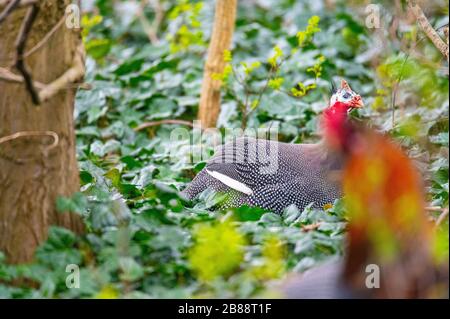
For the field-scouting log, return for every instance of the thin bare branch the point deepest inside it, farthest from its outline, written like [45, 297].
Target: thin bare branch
[20, 48]
[9, 76]
[446, 34]
[44, 40]
[442, 217]
[23, 3]
[8, 9]
[435, 208]
[71, 76]
[17, 135]
[427, 28]
[263, 90]
[161, 122]
[67, 80]
[151, 29]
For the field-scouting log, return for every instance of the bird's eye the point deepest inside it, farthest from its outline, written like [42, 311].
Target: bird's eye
[346, 95]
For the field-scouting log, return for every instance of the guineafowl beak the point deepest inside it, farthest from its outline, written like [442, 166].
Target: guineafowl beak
[357, 102]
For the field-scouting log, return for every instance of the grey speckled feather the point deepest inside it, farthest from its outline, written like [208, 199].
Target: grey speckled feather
[279, 174]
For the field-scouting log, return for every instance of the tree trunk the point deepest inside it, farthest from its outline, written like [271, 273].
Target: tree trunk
[222, 34]
[38, 164]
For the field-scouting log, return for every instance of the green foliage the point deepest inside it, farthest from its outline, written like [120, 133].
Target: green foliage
[190, 32]
[218, 250]
[272, 263]
[97, 47]
[249, 83]
[276, 83]
[301, 89]
[311, 29]
[274, 59]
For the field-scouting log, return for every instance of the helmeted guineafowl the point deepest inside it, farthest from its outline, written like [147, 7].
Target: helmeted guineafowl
[274, 175]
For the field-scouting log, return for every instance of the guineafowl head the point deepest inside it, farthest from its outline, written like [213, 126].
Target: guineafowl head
[345, 98]
[337, 131]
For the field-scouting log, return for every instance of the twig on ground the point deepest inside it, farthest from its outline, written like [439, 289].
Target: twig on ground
[310, 227]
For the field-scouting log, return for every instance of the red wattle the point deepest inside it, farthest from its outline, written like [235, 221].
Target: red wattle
[334, 120]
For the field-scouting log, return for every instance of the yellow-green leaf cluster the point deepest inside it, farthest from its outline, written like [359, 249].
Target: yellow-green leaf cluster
[273, 255]
[227, 70]
[306, 35]
[301, 89]
[273, 60]
[249, 68]
[107, 292]
[218, 250]
[254, 104]
[317, 68]
[276, 83]
[189, 33]
[379, 100]
[184, 38]
[227, 56]
[96, 47]
[88, 22]
[184, 6]
[440, 243]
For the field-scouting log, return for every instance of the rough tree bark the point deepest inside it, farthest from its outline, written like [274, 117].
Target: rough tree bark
[35, 168]
[222, 34]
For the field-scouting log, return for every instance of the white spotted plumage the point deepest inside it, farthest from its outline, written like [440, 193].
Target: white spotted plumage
[301, 177]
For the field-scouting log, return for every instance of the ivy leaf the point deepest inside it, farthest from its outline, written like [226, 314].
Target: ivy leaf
[76, 204]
